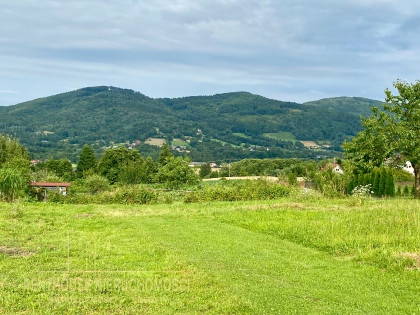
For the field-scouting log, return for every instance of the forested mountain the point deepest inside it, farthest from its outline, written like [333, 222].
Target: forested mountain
[352, 105]
[223, 126]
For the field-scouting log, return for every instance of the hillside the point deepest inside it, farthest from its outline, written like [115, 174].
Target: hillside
[224, 126]
[352, 105]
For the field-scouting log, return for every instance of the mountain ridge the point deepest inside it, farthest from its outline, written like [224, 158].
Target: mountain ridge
[60, 124]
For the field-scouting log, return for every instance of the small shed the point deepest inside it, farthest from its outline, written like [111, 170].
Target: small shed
[60, 187]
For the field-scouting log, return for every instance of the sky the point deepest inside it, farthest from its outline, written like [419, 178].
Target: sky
[290, 50]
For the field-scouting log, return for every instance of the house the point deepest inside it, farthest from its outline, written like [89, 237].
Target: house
[408, 167]
[335, 167]
[35, 162]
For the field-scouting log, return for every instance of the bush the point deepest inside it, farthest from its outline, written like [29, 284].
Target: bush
[119, 195]
[238, 190]
[96, 183]
[11, 183]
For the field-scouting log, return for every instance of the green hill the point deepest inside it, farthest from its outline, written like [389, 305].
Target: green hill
[352, 105]
[223, 126]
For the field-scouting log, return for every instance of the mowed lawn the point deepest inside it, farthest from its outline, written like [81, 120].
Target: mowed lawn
[285, 256]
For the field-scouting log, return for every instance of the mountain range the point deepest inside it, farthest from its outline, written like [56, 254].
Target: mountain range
[218, 127]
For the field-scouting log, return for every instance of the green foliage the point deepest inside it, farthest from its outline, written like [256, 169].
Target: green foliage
[113, 161]
[164, 156]
[176, 172]
[11, 183]
[238, 190]
[389, 184]
[44, 175]
[62, 168]
[117, 195]
[392, 133]
[401, 175]
[87, 160]
[354, 105]
[382, 182]
[10, 149]
[205, 170]
[331, 183]
[96, 183]
[103, 116]
[131, 172]
[269, 167]
[22, 165]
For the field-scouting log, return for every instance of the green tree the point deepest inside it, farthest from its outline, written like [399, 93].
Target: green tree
[392, 133]
[10, 149]
[176, 172]
[62, 168]
[87, 160]
[149, 171]
[376, 181]
[113, 161]
[164, 156]
[382, 182]
[131, 172]
[205, 170]
[389, 184]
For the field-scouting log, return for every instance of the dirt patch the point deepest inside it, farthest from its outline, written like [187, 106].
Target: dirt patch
[14, 251]
[84, 215]
[310, 144]
[276, 206]
[415, 257]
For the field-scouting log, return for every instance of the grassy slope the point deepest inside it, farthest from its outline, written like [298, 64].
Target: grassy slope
[258, 257]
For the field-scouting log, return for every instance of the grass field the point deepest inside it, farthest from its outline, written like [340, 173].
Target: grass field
[281, 135]
[288, 256]
[155, 141]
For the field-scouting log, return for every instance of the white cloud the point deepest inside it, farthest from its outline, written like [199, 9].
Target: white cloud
[288, 48]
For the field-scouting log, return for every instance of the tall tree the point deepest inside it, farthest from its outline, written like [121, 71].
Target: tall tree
[114, 161]
[11, 149]
[164, 156]
[87, 159]
[392, 133]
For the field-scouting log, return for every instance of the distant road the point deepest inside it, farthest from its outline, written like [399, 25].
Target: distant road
[269, 178]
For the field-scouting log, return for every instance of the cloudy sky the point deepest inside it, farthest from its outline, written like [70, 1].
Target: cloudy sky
[295, 50]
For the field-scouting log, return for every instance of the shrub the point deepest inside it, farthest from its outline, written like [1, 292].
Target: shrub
[96, 183]
[238, 190]
[11, 184]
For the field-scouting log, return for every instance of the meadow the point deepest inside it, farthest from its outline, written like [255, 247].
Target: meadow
[297, 254]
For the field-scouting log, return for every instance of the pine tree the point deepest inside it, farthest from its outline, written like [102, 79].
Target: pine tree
[365, 179]
[406, 190]
[375, 186]
[398, 191]
[164, 156]
[390, 184]
[382, 182]
[372, 177]
[87, 160]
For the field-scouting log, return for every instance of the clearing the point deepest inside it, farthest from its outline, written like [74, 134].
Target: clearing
[292, 255]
